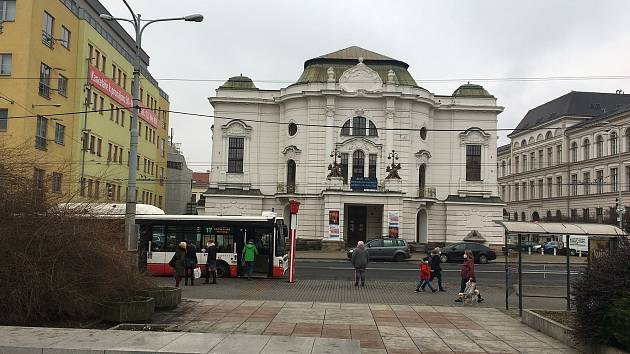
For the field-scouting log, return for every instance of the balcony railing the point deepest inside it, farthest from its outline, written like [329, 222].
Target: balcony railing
[426, 192]
[286, 189]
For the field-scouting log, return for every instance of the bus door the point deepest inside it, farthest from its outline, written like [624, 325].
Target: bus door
[240, 236]
[263, 240]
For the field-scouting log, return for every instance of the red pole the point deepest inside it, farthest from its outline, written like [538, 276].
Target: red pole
[294, 207]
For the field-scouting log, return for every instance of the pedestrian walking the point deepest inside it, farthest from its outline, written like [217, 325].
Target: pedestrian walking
[179, 262]
[191, 262]
[359, 262]
[425, 276]
[211, 262]
[249, 255]
[468, 273]
[435, 263]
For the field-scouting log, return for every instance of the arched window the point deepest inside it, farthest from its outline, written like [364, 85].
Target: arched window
[531, 140]
[372, 131]
[549, 135]
[574, 147]
[422, 176]
[515, 216]
[613, 143]
[599, 146]
[345, 130]
[358, 126]
[587, 149]
[539, 137]
[423, 133]
[535, 216]
[290, 176]
[523, 143]
[358, 164]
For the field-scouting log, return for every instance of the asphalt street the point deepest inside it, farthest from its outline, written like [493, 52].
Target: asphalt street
[492, 273]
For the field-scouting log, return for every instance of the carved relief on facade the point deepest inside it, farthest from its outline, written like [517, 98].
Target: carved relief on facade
[360, 143]
[291, 152]
[474, 136]
[422, 157]
[236, 127]
[360, 77]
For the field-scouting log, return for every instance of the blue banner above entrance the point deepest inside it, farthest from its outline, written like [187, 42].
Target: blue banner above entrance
[363, 183]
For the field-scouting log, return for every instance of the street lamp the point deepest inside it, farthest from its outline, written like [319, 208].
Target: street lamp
[620, 206]
[130, 210]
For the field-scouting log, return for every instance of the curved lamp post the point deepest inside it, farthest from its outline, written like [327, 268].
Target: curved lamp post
[130, 210]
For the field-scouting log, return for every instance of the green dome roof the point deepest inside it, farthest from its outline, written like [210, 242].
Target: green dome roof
[240, 83]
[471, 90]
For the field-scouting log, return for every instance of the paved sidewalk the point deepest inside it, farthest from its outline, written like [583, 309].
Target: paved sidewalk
[417, 256]
[25, 340]
[380, 328]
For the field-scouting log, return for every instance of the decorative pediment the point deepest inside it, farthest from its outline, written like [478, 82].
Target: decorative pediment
[360, 77]
[359, 143]
[474, 136]
[291, 152]
[422, 156]
[236, 127]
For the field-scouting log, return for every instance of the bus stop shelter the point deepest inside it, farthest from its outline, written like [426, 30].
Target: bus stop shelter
[600, 237]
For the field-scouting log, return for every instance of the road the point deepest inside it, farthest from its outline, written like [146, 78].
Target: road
[490, 274]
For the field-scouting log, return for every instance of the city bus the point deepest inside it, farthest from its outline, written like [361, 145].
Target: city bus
[160, 234]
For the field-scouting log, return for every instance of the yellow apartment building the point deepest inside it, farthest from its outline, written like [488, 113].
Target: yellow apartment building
[72, 77]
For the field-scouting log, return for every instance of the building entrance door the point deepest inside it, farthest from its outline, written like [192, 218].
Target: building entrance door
[357, 224]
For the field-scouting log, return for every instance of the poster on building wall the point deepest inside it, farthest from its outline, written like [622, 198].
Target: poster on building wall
[392, 221]
[333, 223]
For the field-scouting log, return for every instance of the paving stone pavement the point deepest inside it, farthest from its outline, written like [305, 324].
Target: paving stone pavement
[379, 328]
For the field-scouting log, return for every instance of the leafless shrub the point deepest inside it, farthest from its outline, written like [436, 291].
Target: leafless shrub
[55, 265]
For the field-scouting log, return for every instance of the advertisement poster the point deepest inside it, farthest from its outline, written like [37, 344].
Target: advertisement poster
[333, 223]
[392, 220]
[598, 248]
[393, 231]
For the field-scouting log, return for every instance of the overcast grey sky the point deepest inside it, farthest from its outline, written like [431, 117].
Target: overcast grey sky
[270, 40]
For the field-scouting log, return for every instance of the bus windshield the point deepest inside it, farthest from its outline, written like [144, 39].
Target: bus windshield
[281, 238]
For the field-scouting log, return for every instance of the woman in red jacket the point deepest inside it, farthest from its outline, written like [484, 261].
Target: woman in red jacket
[468, 273]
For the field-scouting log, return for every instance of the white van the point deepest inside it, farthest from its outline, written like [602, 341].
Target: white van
[577, 244]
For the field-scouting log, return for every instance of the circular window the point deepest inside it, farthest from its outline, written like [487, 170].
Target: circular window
[292, 129]
[423, 133]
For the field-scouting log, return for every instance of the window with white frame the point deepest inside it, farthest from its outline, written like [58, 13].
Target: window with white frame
[44, 80]
[40, 133]
[236, 151]
[4, 119]
[6, 62]
[574, 184]
[549, 187]
[599, 177]
[613, 143]
[549, 157]
[473, 162]
[47, 29]
[65, 37]
[587, 149]
[614, 179]
[62, 85]
[60, 131]
[7, 10]
[56, 182]
[586, 180]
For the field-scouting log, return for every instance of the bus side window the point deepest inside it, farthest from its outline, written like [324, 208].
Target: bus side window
[158, 240]
[225, 243]
[171, 239]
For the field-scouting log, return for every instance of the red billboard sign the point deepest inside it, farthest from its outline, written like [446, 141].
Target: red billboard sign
[118, 94]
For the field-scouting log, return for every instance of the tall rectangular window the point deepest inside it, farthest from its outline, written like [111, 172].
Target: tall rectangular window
[44, 80]
[532, 190]
[62, 85]
[558, 154]
[549, 187]
[627, 171]
[549, 157]
[599, 215]
[473, 162]
[60, 131]
[6, 62]
[47, 29]
[41, 133]
[4, 119]
[586, 180]
[524, 163]
[56, 182]
[516, 164]
[559, 186]
[532, 161]
[574, 184]
[614, 179]
[99, 145]
[38, 178]
[344, 167]
[516, 192]
[540, 158]
[524, 186]
[540, 188]
[372, 166]
[7, 10]
[65, 37]
[236, 149]
[585, 215]
[599, 177]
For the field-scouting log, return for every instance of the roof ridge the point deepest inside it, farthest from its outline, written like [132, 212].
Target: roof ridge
[354, 52]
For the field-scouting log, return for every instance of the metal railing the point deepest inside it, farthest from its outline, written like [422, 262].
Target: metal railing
[426, 192]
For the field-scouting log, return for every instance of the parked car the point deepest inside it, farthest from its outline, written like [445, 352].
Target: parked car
[386, 248]
[455, 252]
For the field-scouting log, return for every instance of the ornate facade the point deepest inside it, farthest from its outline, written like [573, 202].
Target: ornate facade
[364, 148]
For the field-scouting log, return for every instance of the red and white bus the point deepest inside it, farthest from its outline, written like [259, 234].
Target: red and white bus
[230, 234]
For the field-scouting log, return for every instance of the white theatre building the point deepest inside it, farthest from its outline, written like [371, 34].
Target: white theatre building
[360, 108]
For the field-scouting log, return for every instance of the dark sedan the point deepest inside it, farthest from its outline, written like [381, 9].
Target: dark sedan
[455, 252]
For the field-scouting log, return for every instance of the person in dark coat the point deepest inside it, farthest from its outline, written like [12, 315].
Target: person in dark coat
[436, 267]
[180, 262]
[191, 263]
[211, 262]
[359, 262]
[468, 273]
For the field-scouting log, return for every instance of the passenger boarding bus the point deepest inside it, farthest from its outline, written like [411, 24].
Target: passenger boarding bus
[230, 234]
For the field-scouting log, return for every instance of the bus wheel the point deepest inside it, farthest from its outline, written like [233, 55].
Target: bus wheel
[223, 270]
